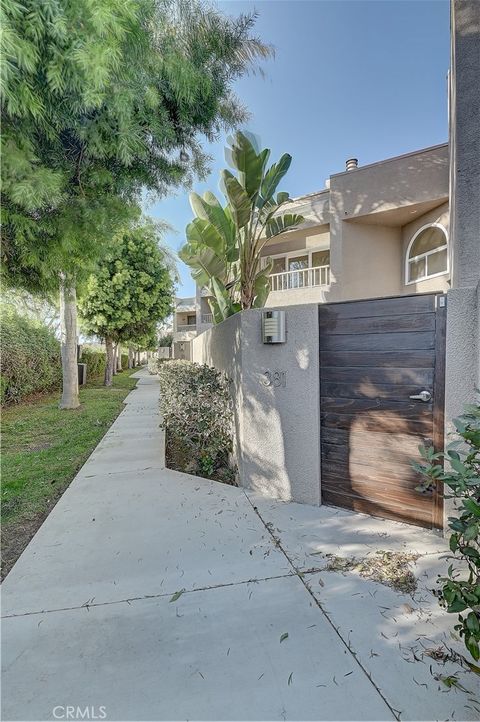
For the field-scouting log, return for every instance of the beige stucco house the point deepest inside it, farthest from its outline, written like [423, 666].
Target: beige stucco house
[192, 316]
[375, 230]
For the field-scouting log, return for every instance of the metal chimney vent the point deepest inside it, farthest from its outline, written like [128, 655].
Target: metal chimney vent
[351, 164]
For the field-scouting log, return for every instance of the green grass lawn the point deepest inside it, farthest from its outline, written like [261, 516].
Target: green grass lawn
[42, 449]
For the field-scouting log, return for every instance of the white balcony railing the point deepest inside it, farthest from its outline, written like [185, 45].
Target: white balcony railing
[186, 327]
[303, 278]
[207, 318]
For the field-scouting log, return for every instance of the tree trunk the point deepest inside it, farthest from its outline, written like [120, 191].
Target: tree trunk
[114, 365]
[109, 367]
[130, 358]
[119, 357]
[68, 336]
[138, 358]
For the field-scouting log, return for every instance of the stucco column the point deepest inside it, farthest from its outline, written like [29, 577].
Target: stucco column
[463, 330]
[465, 143]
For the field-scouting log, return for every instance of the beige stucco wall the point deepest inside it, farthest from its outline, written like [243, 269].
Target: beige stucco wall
[182, 350]
[440, 283]
[365, 261]
[396, 182]
[298, 241]
[296, 297]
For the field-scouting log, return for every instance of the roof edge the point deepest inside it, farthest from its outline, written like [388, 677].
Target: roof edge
[393, 158]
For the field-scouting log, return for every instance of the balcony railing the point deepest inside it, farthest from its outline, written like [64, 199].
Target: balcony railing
[303, 278]
[186, 327]
[207, 318]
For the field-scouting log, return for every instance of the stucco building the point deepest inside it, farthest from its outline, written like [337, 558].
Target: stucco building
[376, 230]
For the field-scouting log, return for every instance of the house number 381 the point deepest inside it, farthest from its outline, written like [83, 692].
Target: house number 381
[274, 378]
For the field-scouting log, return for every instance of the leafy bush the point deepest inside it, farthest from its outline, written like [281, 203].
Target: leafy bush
[30, 358]
[96, 362]
[197, 412]
[460, 593]
[153, 365]
[166, 339]
[124, 357]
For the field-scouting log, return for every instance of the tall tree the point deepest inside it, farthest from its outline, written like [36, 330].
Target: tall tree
[102, 102]
[224, 244]
[129, 293]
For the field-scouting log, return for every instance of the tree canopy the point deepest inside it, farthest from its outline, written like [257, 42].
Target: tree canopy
[131, 290]
[100, 103]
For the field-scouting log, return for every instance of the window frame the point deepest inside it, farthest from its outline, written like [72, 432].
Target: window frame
[294, 254]
[425, 255]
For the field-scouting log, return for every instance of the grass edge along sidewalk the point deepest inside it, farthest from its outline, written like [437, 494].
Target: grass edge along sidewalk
[43, 447]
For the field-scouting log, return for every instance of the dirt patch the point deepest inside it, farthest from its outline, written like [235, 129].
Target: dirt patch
[389, 568]
[40, 446]
[178, 456]
[16, 536]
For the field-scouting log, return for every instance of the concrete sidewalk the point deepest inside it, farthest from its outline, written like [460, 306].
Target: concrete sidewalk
[149, 594]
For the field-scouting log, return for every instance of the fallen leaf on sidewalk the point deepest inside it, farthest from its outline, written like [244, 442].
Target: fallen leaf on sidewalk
[177, 595]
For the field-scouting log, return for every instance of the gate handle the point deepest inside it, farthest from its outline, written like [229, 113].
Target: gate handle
[422, 396]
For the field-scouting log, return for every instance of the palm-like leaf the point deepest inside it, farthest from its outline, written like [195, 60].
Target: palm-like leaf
[280, 224]
[209, 208]
[225, 244]
[239, 201]
[250, 165]
[273, 177]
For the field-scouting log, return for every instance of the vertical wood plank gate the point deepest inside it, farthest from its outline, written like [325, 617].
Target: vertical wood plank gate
[375, 356]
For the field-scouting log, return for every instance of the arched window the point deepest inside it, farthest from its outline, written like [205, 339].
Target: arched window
[427, 253]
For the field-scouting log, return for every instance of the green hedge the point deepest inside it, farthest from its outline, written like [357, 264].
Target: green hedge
[96, 362]
[30, 358]
[197, 411]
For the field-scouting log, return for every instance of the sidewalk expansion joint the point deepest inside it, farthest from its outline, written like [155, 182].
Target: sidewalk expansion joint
[91, 603]
[120, 471]
[300, 575]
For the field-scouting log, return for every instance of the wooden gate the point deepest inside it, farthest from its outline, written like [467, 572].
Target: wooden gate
[375, 355]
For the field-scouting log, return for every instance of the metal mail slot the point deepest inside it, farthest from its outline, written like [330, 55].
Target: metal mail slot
[273, 327]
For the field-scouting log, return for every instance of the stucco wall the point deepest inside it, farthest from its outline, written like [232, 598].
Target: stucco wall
[465, 141]
[296, 297]
[396, 182]
[298, 240]
[463, 315]
[366, 262]
[182, 350]
[277, 426]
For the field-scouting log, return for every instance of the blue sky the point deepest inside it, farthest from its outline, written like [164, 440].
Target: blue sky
[362, 78]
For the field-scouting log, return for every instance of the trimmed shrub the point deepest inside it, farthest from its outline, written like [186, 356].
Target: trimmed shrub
[96, 362]
[30, 361]
[198, 416]
[124, 361]
[153, 364]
